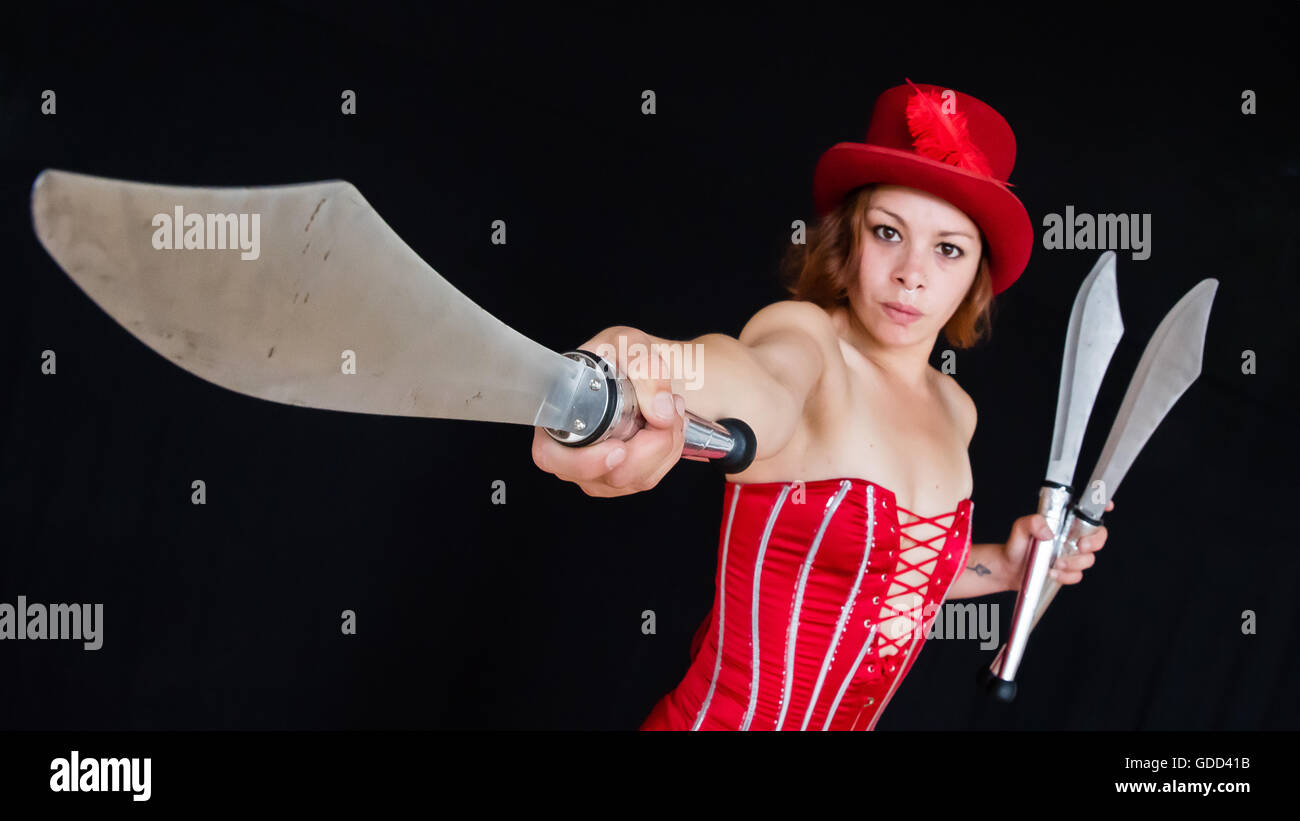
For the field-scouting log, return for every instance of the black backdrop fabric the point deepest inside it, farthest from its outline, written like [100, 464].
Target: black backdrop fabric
[528, 614]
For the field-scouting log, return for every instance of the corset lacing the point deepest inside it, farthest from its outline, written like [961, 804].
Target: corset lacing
[895, 613]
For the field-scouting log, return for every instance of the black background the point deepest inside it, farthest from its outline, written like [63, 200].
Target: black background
[527, 615]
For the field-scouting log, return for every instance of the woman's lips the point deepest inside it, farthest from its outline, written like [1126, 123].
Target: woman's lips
[901, 313]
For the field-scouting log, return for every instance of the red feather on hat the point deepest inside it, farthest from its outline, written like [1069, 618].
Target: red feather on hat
[941, 136]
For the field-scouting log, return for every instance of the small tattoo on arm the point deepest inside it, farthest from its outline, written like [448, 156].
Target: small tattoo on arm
[980, 570]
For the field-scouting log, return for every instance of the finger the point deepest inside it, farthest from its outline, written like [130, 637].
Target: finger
[1036, 527]
[674, 454]
[599, 490]
[653, 453]
[650, 454]
[1094, 541]
[575, 464]
[651, 377]
[1082, 561]
[659, 407]
[633, 354]
[1066, 577]
[1110, 505]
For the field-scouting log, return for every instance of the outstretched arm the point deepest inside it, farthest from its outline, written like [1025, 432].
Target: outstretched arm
[766, 375]
[763, 378]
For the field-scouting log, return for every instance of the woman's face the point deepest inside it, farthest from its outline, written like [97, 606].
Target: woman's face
[920, 254]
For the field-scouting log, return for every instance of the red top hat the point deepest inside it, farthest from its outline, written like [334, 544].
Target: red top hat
[958, 149]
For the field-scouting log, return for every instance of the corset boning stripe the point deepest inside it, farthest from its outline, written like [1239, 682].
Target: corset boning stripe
[845, 609]
[758, 578]
[844, 685]
[792, 639]
[722, 603]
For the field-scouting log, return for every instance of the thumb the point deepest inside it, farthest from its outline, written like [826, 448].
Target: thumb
[1036, 527]
[654, 395]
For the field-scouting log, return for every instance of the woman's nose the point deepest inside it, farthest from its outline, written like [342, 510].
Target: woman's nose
[910, 279]
[912, 273]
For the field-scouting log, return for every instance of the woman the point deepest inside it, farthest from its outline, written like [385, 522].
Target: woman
[853, 523]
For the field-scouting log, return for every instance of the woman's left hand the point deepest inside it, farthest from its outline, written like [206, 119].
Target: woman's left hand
[1068, 569]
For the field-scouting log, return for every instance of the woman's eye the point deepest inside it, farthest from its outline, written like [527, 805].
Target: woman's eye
[948, 250]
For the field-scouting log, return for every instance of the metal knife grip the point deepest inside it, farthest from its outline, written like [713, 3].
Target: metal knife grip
[728, 443]
[1053, 501]
[1075, 529]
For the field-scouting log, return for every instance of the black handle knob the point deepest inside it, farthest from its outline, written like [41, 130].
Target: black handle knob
[742, 455]
[1003, 691]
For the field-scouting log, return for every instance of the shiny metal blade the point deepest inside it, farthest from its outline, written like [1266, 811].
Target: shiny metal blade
[1094, 332]
[1170, 363]
[275, 307]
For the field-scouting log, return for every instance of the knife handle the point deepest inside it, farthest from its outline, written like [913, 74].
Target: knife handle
[999, 680]
[728, 443]
[1075, 529]
[1075, 526]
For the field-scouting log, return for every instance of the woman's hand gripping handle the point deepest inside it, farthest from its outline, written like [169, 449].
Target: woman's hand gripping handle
[645, 428]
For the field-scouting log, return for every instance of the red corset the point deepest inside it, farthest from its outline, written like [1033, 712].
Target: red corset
[821, 587]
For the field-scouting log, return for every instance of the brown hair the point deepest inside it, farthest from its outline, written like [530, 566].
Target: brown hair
[824, 269]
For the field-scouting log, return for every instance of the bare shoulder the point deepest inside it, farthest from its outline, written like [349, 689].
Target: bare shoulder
[792, 316]
[791, 325]
[960, 404]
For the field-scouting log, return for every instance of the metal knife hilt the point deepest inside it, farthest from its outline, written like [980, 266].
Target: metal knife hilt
[1076, 526]
[608, 410]
[999, 678]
